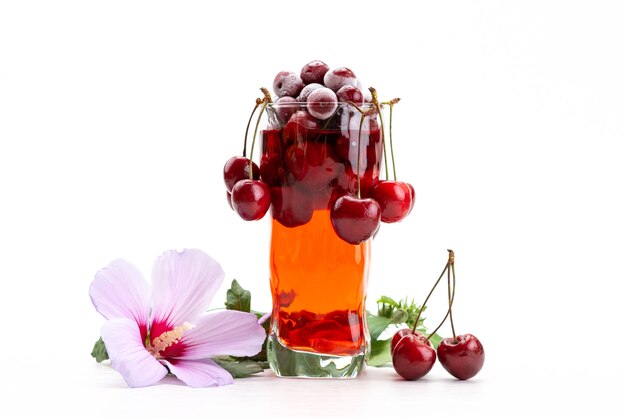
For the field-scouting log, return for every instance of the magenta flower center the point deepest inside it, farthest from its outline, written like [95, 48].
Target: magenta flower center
[166, 340]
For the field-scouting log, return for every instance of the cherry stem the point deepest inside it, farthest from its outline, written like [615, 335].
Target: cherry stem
[450, 297]
[382, 128]
[245, 138]
[393, 160]
[358, 160]
[419, 313]
[256, 128]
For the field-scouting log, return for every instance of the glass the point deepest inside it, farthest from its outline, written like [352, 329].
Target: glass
[318, 281]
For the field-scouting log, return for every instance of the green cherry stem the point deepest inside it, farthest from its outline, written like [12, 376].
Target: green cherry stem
[358, 160]
[382, 128]
[256, 128]
[450, 298]
[245, 138]
[419, 313]
[393, 159]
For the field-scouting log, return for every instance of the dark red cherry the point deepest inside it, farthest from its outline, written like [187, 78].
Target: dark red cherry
[355, 220]
[314, 72]
[339, 77]
[413, 357]
[287, 84]
[238, 168]
[295, 161]
[401, 333]
[462, 358]
[291, 207]
[350, 94]
[228, 199]
[251, 199]
[394, 198]
[272, 171]
[299, 126]
[285, 107]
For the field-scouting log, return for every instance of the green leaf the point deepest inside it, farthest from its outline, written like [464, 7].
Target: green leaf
[238, 298]
[241, 368]
[99, 351]
[388, 301]
[380, 353]
[376, 325]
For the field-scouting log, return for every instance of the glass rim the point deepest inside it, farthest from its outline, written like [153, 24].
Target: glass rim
[339, 104]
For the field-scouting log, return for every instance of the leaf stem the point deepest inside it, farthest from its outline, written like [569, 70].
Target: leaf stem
[358, 160]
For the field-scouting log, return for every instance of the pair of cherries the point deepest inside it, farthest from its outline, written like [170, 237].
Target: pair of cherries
[413, 356]
[246, 194]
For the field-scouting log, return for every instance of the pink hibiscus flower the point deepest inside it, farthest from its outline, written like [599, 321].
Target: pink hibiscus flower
[149, 330]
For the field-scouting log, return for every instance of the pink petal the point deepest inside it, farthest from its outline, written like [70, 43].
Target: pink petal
[120, 291]
[183, 284]
[128, 353]
[223, 333]
[199, 373]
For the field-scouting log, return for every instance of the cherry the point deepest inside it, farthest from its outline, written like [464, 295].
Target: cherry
[412, 190]
[394, 198]
[272, 171]
[413, 357]
[462, 358]
[287, 84]
[462, 355]
[228, 199]
[298, 126]
[285, 107]
[367, 95]
[295, 161]
[403, 332]
[322, 103]
[350, 94]
[238, 168]
[291, 207]
[308, 89]
[355, 219]
[314, 72]
[339, 77]
[251, 199]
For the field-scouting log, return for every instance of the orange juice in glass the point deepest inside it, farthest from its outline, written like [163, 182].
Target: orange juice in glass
[318, 281]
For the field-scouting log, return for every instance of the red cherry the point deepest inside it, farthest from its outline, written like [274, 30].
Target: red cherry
[322, 103]
[394, 198]
[285, 107]
[355, 220]
[251, 199]
[287, 84]
[464, 358]
[339, 77]
[298, 127]
[413, 357]
[412, 190]
[238, 168]
[295, 162]
[291, 207]
[401, 333]
[228, 199]
[272, 171]
[350, 94]
[314, 72]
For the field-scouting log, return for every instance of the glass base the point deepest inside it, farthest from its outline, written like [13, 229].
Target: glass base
[286, 362]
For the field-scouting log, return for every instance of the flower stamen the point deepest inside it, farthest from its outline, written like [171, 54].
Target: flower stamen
[167, 339]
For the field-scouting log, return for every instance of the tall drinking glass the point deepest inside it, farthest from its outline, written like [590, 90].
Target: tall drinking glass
[318, 281]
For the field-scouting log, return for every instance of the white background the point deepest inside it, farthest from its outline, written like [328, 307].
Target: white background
[116, 119]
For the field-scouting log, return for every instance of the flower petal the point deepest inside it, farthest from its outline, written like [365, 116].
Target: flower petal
[183, 284]
[223, 333]
[199, 373]
[128, 353]
[120, 291]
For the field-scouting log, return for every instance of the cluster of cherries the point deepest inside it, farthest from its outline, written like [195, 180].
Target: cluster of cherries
[413, 356]
[355, 216]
